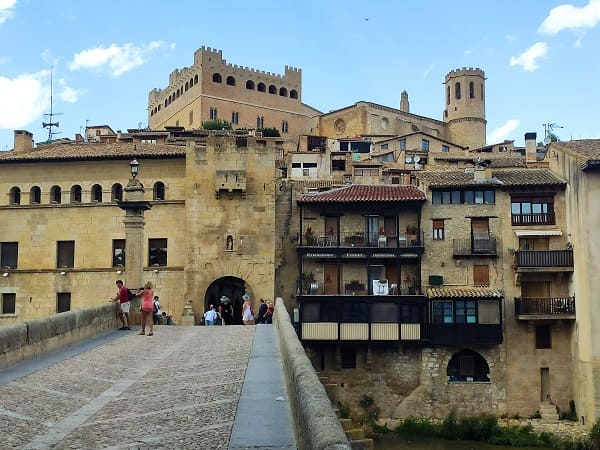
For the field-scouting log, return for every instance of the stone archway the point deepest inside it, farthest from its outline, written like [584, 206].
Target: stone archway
[231, 287]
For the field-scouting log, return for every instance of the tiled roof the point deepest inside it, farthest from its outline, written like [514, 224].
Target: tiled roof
[365, 193]
[317, 184]
[85, 151]
[500, 178]
[586, 149]
[466, 292]
[496, 160]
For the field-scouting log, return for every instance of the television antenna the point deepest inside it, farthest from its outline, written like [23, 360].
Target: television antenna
[50, 124]
[548, 131]
[413, 160]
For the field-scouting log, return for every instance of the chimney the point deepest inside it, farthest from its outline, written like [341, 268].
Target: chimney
[482, 173]
[23, 141]
[530, 148]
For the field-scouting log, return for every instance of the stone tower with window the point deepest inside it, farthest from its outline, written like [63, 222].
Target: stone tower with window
[465, 106]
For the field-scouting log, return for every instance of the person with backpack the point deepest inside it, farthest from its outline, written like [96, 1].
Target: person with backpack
[157, 314]
[124, 298]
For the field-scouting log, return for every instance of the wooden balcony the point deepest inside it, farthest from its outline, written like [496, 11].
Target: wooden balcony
[362, 240]
[474, 247]
[544, 308]
[544, 260]
[533, 219]
[332, 331]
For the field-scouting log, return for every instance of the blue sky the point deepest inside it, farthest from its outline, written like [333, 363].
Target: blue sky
[540, 57]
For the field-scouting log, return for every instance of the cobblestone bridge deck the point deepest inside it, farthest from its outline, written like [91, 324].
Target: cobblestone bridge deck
[184, 388]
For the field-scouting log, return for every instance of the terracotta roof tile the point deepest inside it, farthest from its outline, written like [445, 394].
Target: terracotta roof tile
[496, 160]
[586, 149]
[85, 151]
[365, 193]
[500, 178]
[466, 292]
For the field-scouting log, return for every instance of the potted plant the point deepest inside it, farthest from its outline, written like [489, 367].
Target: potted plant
[307, 280]
[310, 237]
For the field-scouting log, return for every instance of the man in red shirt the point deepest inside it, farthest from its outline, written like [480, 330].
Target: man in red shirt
[123, 298]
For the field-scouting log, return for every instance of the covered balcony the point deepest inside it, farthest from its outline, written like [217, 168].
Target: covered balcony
[474, 247]
[544, 308]
[544, 260]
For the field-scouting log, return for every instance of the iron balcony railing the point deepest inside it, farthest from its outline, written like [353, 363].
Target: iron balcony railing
[468, 247]
[533, 219]
[546, 306]
[544, 258]
[362, 239]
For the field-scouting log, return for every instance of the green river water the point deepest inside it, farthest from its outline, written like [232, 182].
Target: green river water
[398, 442]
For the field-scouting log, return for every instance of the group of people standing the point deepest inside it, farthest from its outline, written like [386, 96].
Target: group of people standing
[223, 313]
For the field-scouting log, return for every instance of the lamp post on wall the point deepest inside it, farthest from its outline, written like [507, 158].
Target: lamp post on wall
[134, 206]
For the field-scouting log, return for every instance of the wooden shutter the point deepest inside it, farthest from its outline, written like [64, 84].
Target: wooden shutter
[481, 275]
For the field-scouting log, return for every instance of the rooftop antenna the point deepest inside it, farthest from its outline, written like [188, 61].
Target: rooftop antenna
[548, 128]
[51, 124]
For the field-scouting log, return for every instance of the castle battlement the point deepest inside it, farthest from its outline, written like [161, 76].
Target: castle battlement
[470, 71]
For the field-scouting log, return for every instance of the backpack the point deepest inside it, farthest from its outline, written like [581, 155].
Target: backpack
[155, 307]
[130, 294]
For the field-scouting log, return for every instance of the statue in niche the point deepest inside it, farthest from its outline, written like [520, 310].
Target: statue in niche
[229, 243]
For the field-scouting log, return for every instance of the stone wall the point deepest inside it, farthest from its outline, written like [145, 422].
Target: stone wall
[31, 338]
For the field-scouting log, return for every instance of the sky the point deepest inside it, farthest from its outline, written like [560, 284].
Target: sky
[540, 57]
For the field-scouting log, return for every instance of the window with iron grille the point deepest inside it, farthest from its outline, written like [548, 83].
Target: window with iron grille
[157, 252]
[8, 305]
[65, 254]
[118, 253]
[9, 255]
[63, 302]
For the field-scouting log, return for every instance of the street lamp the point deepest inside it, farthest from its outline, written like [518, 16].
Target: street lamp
[135, 167]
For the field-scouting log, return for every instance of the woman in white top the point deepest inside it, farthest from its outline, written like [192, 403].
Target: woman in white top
[247, 315]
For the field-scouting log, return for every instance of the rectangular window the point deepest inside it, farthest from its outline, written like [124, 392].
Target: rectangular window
[532, 211]
[384, 312]
[118, 253]
[383, 147]
[436, 197]
[446, 197]
[481, 275]
[395, 180]
[442, 312]
[213, 114]
[63, 302]
[354, 312]
[296, 165]
[284, 126]
[338, 164]
[425, 145]
[157, 252]
[445, 149]
[402, 144]
[456, 198]
[438, 230]
[543, 337]
[235, 117]
[9, 255]
[409, 313]
[489, 312]
[191, 117]
[8, 303]
[305, 172]
[465, 311]
[65, 254]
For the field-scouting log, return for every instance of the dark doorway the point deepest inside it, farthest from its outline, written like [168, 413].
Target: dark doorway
[231, 287]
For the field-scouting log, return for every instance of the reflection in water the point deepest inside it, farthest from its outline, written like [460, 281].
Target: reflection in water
[397, 442]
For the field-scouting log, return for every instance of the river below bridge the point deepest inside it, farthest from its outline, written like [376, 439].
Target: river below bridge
[399, 442]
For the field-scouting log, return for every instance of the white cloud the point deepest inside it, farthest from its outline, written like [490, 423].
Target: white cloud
[67, 93]
[569, 17]
[116, 59]
[428, 70]
[468, 51]
[28, 96]
[528, 59]
[6, 9]
[503, 131]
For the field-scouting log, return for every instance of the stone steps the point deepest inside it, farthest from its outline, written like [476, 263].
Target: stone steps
[548, 412]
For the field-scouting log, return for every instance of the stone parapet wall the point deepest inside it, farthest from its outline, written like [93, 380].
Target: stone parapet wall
[31, 338]
[316, 423]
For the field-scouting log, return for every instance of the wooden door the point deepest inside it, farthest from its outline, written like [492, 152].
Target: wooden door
[545, 384]
[330, 279]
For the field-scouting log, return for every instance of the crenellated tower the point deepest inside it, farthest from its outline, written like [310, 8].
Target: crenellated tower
[465, 106]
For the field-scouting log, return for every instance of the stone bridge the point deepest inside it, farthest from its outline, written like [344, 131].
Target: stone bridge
[73, 381]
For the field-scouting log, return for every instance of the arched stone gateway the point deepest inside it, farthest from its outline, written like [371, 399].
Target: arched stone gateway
[231, 287]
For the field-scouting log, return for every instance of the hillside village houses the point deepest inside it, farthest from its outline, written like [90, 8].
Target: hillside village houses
[428, 267]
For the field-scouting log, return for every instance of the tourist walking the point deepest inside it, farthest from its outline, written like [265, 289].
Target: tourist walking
[210, 316]
[226, 311]
[147, 308]
[268, 317]
[262, 309]
[156, 312]
[124, 304]
[247, 314]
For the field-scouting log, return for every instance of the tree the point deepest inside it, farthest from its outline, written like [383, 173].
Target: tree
[269, 132]
[216, 124]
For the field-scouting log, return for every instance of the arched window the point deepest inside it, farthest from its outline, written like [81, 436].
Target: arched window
[76, 194]
[166, 102]
[471, 89]
[283, 92]
[158, 193]
[195, 79]
[97, 193]
[250, 84]
[159, 107]
[116, 193]
[272, 89]
[260, 122]
[187, 86]
[448, 95]
[457, 90]
[15, 196]
[261, 87]
[230, 81]
[467, 365]
[217, 78]
[294, 94]
[55, 194]
[35, 195]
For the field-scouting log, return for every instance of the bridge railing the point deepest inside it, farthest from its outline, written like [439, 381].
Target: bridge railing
[316, 424]
[31, 338]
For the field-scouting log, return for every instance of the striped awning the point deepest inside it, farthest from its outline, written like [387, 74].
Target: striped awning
[538, 233]
[463, 292]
